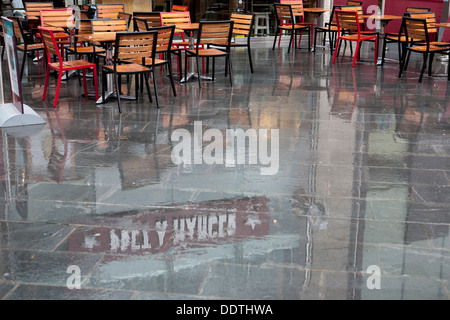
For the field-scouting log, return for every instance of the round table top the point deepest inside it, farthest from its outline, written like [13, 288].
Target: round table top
[386, 17]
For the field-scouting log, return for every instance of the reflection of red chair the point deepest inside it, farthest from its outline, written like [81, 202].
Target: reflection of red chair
[60, 66]
[349, 21]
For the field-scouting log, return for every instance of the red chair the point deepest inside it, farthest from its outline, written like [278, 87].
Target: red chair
[349, 21]
[60, 66]
[178, 8]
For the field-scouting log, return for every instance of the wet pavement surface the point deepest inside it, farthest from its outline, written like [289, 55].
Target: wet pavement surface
[357, 206]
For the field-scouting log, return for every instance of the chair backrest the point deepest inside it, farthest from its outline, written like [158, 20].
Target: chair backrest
[358, 9]
[416, 29]
[109, 25]
[127, 16]
[168, 18]
[414, 9]
[179, 8]
[284, 12]
[153, 18]
[354, 3]
[135, 45]
[17, 27]
[348, 20]
[110, 11]
[57, 19]
[215, 32]
[430, 18]
[83, 26]
[33, 9]
[50, 45]
[165, 37]
[243, 23]
[140, 24]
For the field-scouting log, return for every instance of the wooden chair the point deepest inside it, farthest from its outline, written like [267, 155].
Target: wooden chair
[297, 8]
[60, 66]
[354, 3]
[141, 24]
[399, 37]
[109, 25]
[284, 12]
[33, 9]
[178, 8]
[23, 41]
[416, 31]
[243, 25]
[349, 20]
[132, 46]
[59, 21]
[329, 28]
[153, 18]
[83, 26]
[163, 48]
[110, 11]
[169, 18]
[127, 16]
[212, 32]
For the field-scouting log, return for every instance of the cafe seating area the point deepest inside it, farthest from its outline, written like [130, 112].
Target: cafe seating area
[201, 160]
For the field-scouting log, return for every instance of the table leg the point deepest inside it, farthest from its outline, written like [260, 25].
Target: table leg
[191, 72]
[381, 43]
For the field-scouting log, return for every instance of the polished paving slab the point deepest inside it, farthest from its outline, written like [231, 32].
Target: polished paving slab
[356, 206]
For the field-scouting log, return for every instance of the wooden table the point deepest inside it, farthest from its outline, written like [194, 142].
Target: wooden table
[384, 19]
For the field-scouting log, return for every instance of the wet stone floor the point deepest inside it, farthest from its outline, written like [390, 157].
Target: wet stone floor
[335, 187]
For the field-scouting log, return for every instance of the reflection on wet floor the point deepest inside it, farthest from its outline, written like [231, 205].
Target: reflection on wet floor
[362, 181]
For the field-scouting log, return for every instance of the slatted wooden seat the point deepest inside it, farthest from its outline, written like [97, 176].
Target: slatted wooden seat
[110, 11]
[132, 46]
[284, 12]
[212, 32]
[417, 33]
[350, 21]
[60, 66]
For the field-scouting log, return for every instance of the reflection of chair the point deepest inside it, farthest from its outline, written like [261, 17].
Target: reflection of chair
[131, 46]
[110, 11]
[242, 27]
[284, 13]
[212, 32]
[416, 31]
[60, 66]
[23, 42]
[349, 20]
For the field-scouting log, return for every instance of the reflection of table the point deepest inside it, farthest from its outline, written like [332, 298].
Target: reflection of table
[384, 19]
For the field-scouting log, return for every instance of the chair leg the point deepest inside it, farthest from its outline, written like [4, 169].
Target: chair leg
[116, 82]
[171, 78]
[424, 66]
[85, 83]
[430, 64]
[156, 88]
[147, 85]
[95, 82]
[47, 75]
[58, 86]
[403, 62]
[23, 65]
[198, 71]
[230, 70]
[356, 53]
[275, 39]
[336, 50]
